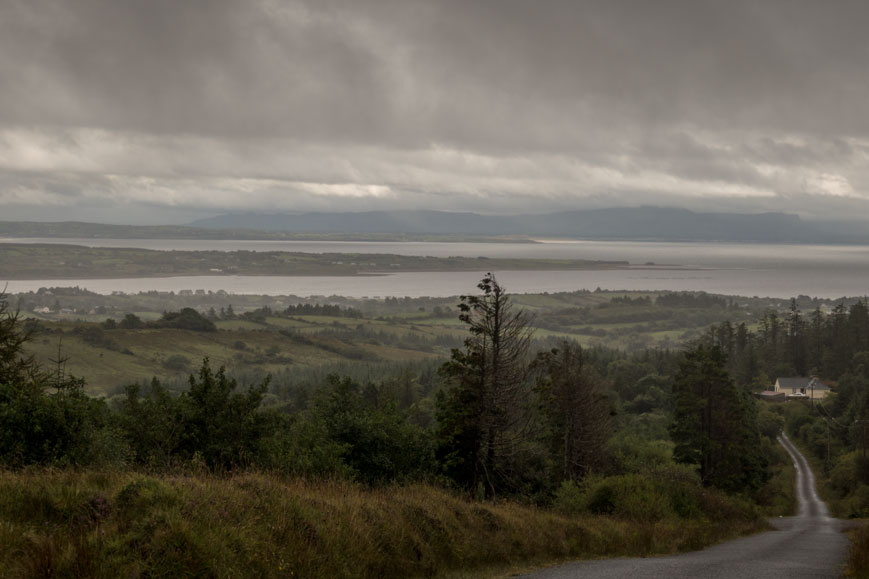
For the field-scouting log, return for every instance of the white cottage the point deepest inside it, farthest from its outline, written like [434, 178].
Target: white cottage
[802, 387]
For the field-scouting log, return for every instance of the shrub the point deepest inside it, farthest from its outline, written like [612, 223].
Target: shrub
[176, 362]
[632, 453]
[856, 505]
[631, 496]
[769, 423]
[669, 492]
[131, 322]
[843, 475]
[186, 319]
[570, 499]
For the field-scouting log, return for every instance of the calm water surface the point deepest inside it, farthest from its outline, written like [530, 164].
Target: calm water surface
[728, 268]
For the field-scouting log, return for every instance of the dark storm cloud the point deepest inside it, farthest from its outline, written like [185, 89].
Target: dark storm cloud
[784, 65]
[443, 104]
[458, 70]
[207, 67]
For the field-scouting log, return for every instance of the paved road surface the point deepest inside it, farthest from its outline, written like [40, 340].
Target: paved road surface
[807, 545]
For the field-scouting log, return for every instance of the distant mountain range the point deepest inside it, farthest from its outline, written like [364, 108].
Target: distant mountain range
[636, 223]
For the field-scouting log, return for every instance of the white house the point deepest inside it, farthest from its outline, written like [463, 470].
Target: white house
[802, 387]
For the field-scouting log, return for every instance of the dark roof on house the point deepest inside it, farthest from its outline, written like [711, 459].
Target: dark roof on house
[794, 382]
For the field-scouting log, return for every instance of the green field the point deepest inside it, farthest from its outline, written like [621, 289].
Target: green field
[134, 356]
[259, 337]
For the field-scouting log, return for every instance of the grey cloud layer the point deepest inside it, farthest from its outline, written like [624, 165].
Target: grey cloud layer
[505, 105]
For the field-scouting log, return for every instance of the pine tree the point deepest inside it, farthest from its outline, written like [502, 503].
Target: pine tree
[16, 367]
[578, 414]
[714, 423]
[796, 340]
[482, 411]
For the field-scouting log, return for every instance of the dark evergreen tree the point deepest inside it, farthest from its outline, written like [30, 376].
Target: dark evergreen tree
[16, 367]
[38, 426]
[837, 355]
[380, 444]
[577, 411]
[152, 423]
[220, 424]
[858, 326]
[797, 349]
[131, 322]
[815, 342]
[714, 423]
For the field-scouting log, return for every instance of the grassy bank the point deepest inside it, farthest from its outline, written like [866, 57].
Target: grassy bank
[99, 524]
[858, 555]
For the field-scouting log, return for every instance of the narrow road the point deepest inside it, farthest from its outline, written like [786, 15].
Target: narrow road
[810, 544]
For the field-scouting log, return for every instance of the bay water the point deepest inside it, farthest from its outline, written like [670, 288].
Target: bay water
[774, 270]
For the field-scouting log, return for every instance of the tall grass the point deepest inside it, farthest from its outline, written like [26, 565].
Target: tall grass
[126, 524]
[858, 555]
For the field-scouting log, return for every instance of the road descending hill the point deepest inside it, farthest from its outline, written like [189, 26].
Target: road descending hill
[810, 544]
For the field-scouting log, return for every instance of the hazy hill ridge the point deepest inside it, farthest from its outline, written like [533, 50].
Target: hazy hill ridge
[637, 223]
[616, 223]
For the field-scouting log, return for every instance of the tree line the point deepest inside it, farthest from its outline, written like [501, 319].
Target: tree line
[834, 347]
[503, 420]
[819, 343]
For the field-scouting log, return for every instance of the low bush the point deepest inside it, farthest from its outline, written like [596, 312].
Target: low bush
[186, 319]
[177, 362]
[665, 493]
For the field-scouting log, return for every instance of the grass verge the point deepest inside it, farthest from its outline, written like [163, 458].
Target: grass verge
[104, 524]
[858, 554]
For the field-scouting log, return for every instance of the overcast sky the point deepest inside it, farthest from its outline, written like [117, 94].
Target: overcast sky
[161, 111]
